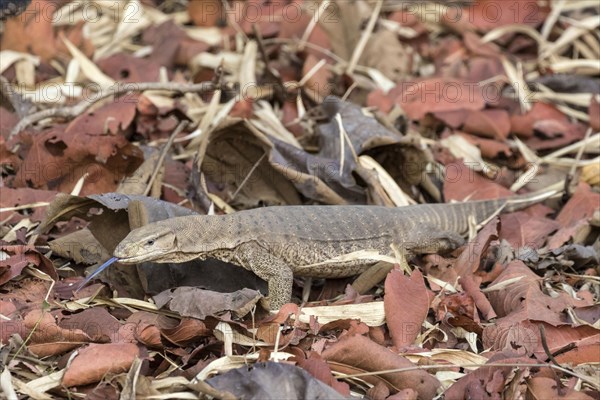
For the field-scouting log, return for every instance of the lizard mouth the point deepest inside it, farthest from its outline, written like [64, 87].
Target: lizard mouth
[150, 256]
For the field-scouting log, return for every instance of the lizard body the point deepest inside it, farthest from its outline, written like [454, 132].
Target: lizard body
[277, 243]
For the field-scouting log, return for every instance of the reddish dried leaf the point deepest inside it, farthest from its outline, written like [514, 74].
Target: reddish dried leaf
[582, 205]
[471, 284]
[549, 388]
[243, 108]
[525, 337]
[575, 215]
[522, 125]
[378, 99]
[490, 148]
[188, 330]
[469, 260]
[127, 68]
[8, 120]
[486, 15]
[33, 32]
[21, 257]
[361, 354]
[462, 183]
[488, 123]
[263, 15]
[582, 354]
[441, 268]
[27, 295]
[91, 144]
[455, 305]
[476, 46]
[22, 196]
[95, 361]
[290, 118]
[454, 119]
[318, 368]
[565, 234]
[521, 229]
[551, 134]
[319, 84]
[406, 305]
[92, 127]
[206, 12]
[476, 384]
[418, 98]
[524, 299]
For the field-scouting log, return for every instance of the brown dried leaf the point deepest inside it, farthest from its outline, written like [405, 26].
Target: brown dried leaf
[188, 330]
[198, 303]
[47, 338]
[342, 22]
[360, 354]
[97, 360]
[96, 322]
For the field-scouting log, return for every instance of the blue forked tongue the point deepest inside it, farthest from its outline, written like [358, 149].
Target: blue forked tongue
[96, 272]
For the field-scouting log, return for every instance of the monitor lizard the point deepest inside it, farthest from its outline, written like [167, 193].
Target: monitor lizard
[279, 242]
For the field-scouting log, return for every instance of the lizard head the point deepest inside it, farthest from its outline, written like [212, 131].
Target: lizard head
[149, 243]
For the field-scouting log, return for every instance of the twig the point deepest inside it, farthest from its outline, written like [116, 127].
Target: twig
[447, 366]
[360, 46]
[163, 154]
[18, 103]
[545, 345]
[571, 175]
[256, 164]
[81, 107]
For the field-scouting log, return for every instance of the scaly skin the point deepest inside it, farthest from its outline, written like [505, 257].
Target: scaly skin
[277, 243]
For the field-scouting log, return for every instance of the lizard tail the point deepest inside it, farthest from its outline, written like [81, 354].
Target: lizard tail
[519, 202]
[458, 214]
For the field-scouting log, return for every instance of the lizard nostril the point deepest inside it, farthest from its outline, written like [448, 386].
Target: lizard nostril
[150, 242]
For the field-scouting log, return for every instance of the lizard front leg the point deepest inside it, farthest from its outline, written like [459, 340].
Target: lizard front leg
[265, 265]
[428, 239]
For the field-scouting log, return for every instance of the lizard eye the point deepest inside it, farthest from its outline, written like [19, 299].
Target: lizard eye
[150, 242]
